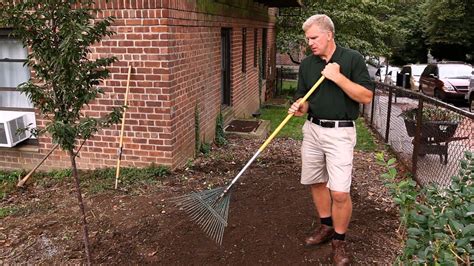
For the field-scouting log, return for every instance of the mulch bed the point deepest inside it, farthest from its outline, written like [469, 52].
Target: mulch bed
[270, 215]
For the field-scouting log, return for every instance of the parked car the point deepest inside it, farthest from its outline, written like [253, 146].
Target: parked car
[414, 72]
[470, 93]
[387, 75]
[446, 81]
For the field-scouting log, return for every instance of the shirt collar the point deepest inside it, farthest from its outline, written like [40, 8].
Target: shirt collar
[336, 56]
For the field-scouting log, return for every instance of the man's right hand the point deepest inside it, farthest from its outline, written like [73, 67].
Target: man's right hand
[298, 109]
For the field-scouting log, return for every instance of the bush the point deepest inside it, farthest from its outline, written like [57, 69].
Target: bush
[439, 222]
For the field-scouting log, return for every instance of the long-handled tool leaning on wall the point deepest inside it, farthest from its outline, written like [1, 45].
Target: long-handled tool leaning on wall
[210, 208]
[120, 149]
[24, 179]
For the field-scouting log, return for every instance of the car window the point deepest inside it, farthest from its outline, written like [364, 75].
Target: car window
[455, 71]
[416, 70]
[430, 69]
[406, 70]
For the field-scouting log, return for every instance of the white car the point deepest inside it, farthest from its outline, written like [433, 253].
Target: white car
[414, 71]
[387, 74]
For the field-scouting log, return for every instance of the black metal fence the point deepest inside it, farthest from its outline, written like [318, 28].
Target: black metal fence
[284, 73]
[428, 136]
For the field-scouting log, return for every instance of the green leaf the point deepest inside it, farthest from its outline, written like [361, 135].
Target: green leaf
[462, 242]
[411, 243]
[426, 210]
[414, 231]
[397, 201]
[468, 230]
[458, 227]
[392, 172]
[440, 235]
[391, 161]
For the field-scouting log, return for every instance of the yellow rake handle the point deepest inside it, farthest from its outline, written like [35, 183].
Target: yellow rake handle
[287, 118]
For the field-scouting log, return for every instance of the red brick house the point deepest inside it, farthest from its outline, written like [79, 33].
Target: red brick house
[186, 56]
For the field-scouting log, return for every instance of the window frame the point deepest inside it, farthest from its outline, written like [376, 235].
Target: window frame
[6, 33]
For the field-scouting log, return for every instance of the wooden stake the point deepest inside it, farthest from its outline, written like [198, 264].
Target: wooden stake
[23, 181]
[120, 149]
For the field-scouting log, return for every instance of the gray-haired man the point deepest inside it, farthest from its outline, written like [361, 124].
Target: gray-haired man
[329, 134]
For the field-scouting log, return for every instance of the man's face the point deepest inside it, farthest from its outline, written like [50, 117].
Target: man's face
[318, 39]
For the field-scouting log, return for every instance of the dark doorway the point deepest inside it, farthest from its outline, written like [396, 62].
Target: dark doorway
[225, 66]
[264, 53]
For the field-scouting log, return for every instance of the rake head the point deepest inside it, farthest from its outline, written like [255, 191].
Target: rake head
[208, 209]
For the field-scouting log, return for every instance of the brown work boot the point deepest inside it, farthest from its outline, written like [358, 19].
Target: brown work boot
[322, 234]
[340, 256]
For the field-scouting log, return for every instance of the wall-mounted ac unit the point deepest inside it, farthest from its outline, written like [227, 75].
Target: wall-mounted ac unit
[10, 122]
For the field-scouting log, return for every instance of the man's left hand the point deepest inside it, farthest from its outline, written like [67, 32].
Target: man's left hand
[332, 71]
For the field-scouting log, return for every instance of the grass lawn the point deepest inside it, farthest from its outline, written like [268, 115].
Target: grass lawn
[292, 129]
[289, 87]
[92, 181]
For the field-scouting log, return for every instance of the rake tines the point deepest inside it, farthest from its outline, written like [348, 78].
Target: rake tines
[208, 209]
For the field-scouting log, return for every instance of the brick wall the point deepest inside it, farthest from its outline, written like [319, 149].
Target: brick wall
[174, 48]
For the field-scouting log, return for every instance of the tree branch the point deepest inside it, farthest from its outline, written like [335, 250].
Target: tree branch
[293, 60]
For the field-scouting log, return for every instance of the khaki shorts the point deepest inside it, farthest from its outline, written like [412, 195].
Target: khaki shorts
[327, 155]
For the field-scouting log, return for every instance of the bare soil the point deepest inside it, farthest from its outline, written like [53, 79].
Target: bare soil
[270, 215]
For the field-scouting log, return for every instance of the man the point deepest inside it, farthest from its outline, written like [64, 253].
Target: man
[329, 134]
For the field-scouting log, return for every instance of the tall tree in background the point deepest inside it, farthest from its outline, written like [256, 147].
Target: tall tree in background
[448, 27]
[410, 42]
[361, 25]
[403, 31]
[59, 34]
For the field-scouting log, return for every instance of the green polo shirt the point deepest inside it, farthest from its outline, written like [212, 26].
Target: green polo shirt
[329, 101]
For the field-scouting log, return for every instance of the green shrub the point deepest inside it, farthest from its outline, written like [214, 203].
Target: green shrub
[197, 130]
[205, 148]
[439, 221]
[220, 138]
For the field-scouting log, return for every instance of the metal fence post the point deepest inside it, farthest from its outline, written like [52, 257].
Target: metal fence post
[389, 112]
[372, 109]
[416, 140]
[281, 80]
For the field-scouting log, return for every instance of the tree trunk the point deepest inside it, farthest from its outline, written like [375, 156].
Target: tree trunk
[85, 231]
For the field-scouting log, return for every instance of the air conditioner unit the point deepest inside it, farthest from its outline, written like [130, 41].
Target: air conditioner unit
[10, 122]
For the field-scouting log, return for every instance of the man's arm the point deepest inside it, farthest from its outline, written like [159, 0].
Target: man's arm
[355, 91]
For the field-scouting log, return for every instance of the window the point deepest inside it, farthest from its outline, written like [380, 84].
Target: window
[255, 41]
[244, 50]
[12, 73]
[430, 69]
[264, 53]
